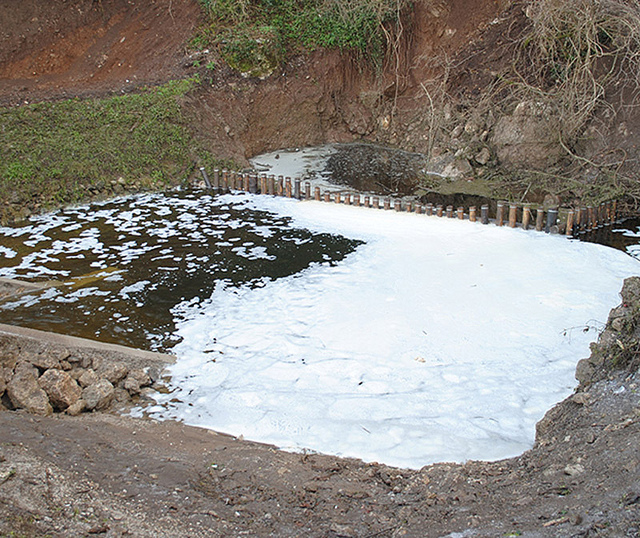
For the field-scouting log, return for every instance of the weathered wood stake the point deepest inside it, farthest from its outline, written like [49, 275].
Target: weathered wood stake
[429, 210]
[526, 216]
[552, 220]
[513, 215]
[316, 193]
[216, 179]
[569, 227]
[484, 214]
[460, 212]
[539, 219]
[205, 177]
[307, 190]
[472, 214]
[296, 189]
[387, 204]
[500, 214]
[288, 187]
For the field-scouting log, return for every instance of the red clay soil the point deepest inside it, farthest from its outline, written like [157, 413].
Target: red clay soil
[67, 48]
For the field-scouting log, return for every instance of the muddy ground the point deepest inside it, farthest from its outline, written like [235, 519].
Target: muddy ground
[111, 475]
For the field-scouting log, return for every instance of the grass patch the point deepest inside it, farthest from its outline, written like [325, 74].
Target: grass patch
[63, 152]
[354, 25]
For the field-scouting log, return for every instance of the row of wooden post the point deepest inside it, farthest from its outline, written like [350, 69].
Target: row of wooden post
[551, 220]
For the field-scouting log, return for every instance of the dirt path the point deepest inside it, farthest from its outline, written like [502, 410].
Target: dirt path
[111, 475]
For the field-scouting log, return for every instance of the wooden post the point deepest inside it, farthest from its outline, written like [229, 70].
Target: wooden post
[513, 215]
[216, 179]
[552, 219]
[280, 186]
[263, 183]
[307, 190]
[367, 202]
[449, 211]
[429, 209]
[296, 189]
[327, 196]
[246, 178]
[397, 205]
[590, 218]
[272, 185]
[526, 216]
[316, 193]
[253, 184]
[288, 187]
[347, 198]
[387, 204]
[500, 214]
[614, 212]
[484, 214]
[408, 207]
[338, 197]
[225, 180]
[356, 199]
[205, 177]
[439, 210]
[375, 202]
[418, 208]
[539, 219]
[569, 227]
[472, 214]
[460, 212]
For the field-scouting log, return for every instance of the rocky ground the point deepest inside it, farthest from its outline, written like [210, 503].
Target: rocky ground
[105, 473]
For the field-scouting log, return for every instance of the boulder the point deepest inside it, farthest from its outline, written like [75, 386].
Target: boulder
[114, 372]
[99, 395]
[61, 388]
[76, 408]
[87, 378]
[135, 381]
[25, 393]
[44, 361]
[530, 137]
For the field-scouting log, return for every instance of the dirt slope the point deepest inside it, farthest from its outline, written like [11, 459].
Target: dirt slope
[67, 48]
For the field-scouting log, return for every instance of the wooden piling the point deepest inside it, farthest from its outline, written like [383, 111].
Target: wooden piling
[327, 196]
[280, 186]
[246, 178]
[296, 189]
[526, 216]
[439, 210]
[253, 184]
[539, 219]
[338, 197]
[225, 180]
[272, 185]
[216, 179]
[590, 218]
[614, 212]
[367, 202]
[484, 214]
[460, 212]
[472, 214]
[500, 214]
[552, 220]
[375, 202]
[569, 226]
[387, 204]
[418, 208]
[205, 177]
[397, 205]
[449, 211]
[263, 184]
[347, 198]
[513, 215]
[429, 209]
[316, 194]
[307, 191]
[356, 199]
[288, 190]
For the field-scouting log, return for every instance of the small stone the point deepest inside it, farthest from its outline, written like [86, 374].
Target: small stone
[76, 408]
[136, 380]
[575, 519]
[483, 157]
[61, 388]
[574, 469]
[99, 395]
[618, 324]
[580, 398]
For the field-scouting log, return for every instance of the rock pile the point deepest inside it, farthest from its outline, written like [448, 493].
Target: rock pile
[43, 377]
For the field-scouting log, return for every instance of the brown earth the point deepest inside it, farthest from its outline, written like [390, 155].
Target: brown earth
[105, 474]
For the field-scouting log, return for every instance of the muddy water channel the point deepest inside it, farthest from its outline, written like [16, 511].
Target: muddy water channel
[114, 270]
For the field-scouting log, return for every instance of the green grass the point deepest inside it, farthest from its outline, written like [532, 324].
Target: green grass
[63, 152]
[355, 25]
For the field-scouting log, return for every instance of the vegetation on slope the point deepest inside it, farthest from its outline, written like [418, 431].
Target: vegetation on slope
[269, 28]
[64, 152]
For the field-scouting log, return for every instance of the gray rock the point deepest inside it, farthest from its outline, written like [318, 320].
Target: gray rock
[483, 156]
[99, 395]
[25, 393]
[44, 361]
[529, 137]
[61, 388]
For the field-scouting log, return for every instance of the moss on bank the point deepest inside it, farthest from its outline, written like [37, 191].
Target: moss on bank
[68, 151]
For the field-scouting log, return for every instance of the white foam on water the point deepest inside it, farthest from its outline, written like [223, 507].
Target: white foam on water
[436, 340]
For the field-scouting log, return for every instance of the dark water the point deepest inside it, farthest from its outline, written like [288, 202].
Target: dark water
[624, 235]
[122, 265]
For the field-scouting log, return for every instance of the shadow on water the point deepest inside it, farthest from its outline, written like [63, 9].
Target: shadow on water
[124, 264]
[623, 235]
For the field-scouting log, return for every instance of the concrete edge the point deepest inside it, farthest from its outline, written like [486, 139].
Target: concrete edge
[127, 354]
